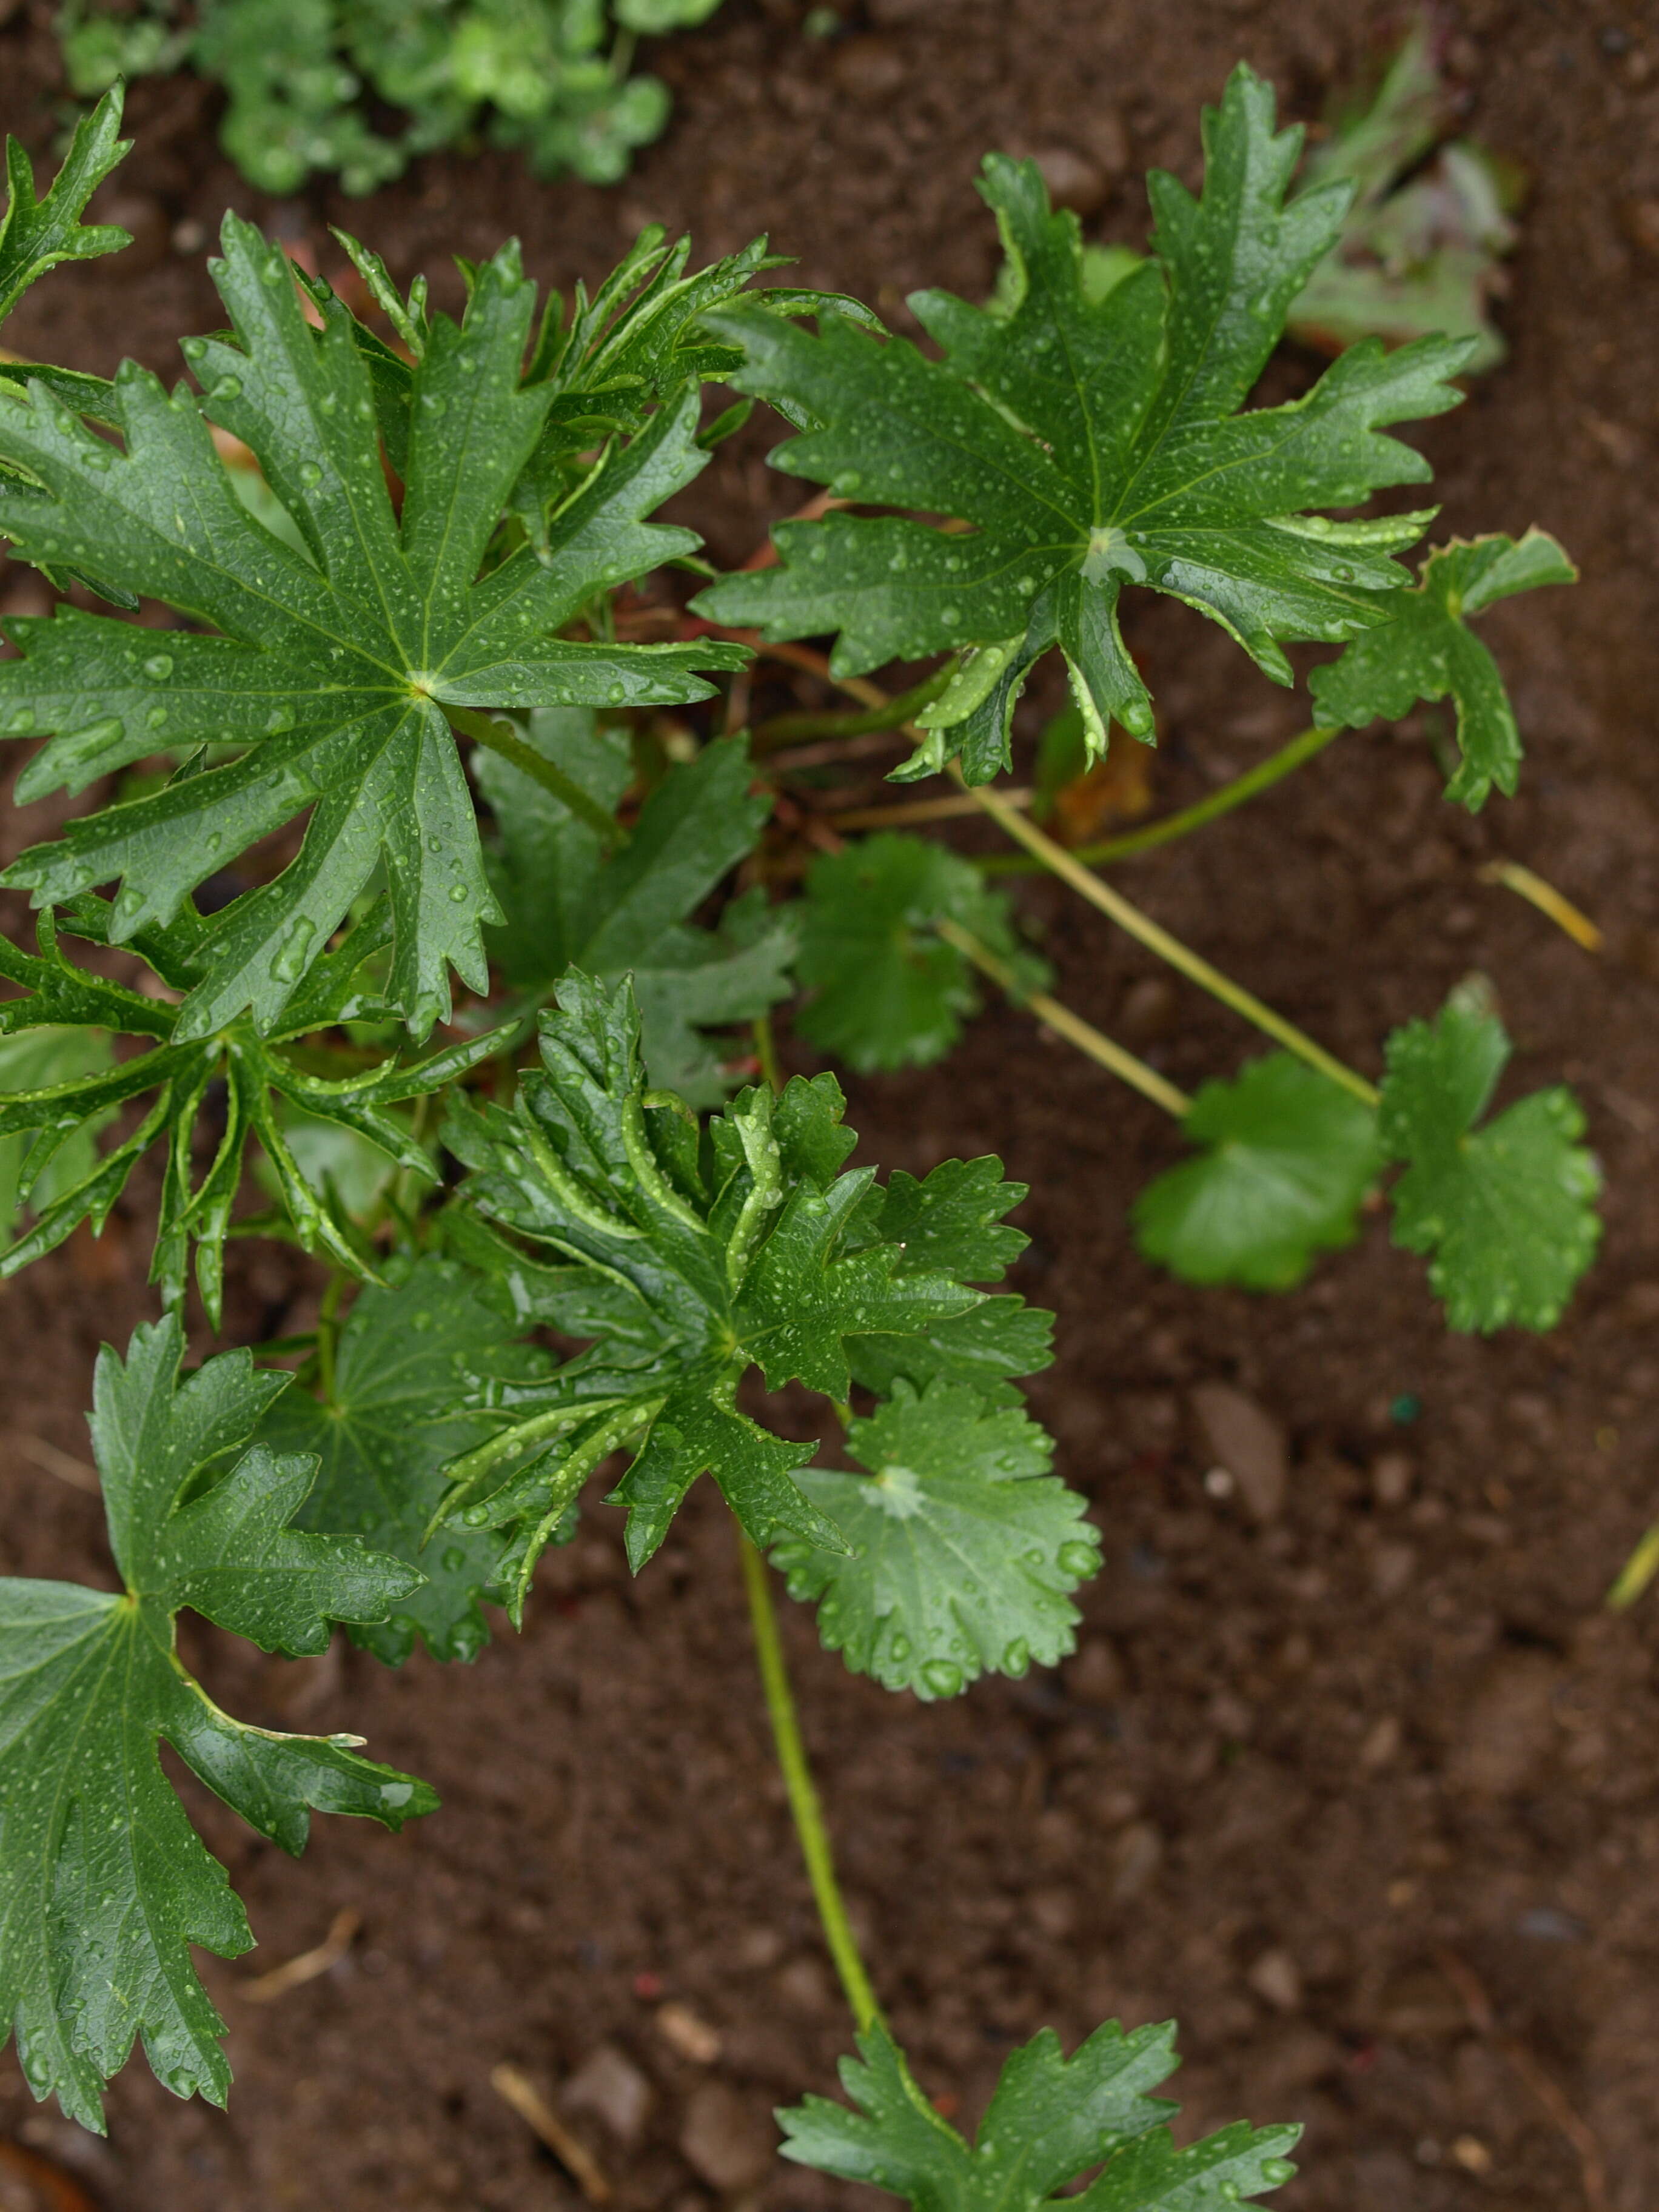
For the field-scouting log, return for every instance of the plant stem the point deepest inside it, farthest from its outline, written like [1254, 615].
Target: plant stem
[766, 1051]
[1545, 896]
[1636, 1574]
[788, 729]
[499, 737]
[804, 1805]
[1072, 1027]
[1146, 931]
[1262, 777]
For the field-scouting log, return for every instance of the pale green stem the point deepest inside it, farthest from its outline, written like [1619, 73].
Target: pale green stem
[499, 737]
[1262, 777]
[804, 1805]
[1072, 1027]
[1146, 931]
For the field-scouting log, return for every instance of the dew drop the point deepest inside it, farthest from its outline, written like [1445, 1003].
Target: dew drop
[227, 387]
[1077, 1559]
[616, 694]
[1275, 2171]
[435, 844]
[193, 348]
[1016, 1657]
[289, 963]
[96, 455]
[327, 403]
[23, 720]
[476, 1516]
[156, 718]
[899, 1649]
[458, 894]
[943, 1679]
[848, 482]
[1342, 572]
[310, 474]
[953, 559]
[453, 1560]
[159, 666]
[949, 616]
[280, 718]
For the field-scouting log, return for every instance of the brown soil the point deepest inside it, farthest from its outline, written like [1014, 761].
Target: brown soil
[1324, 1788]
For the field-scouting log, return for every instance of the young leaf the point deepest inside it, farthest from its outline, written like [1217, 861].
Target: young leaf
[1427, 651]
[691, 1259]
[332, 673]
[888, 992]
[1418, 255]
[1092, 441]
[104, 1886]
[1050, 2119]
[1507, 1209]
[35, 236]
[963, 1546]
[567, 905]
[406, 1360]
[1288, 1157]
[179, 1077]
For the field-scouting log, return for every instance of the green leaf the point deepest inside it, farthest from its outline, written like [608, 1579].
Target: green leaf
[331, 672]
[1090, 439]
[1427, 651]
[567, 905]
[1288, 1157]
[35, 236]
[691, 1256]
[264, 1088]
[1506, 1208]
[104, 1886]
[963, 1546]
[35, 1172]
[1051, 2118]
[888, 991]
[406, 1361]
[1422, 244]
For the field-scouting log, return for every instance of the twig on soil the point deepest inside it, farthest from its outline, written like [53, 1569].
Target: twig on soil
[63, 1464]
[1638, 1571]
[1545, 896]
[264, 1988]
[1484, 2021]
[517, 2089]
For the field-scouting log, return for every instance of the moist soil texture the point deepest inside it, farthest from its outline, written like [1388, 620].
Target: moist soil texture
[1363, 1785]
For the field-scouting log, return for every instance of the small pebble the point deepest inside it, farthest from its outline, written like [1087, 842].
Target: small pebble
[1243, 1438]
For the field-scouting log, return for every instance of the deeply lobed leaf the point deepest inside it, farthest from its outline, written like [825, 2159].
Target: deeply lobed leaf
[1090, 437]
[1427, 651]
[104, 1886]
[693, 1256]
[1050, 2119]
[331, 667]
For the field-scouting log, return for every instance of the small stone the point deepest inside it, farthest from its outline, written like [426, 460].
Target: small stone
[803, 1987]
[1149, 1011]
[1382, 1744]
[1135, 1858]
[1244, 1438]
[1073, 181]
[1393, 1567]
[870, 68]
[610, 2087]
[1393, 1474]
[688, 2033]
[189, 236]
[1510, 1726]
[145, 219]
[727, 2140]
[1471, 2154]
[1639, 220]
[1276, 1977]
[1055, 1912]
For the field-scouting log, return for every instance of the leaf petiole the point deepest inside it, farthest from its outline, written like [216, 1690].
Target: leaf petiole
[1064, 1023]
[804, 1806]
[1146, 931]
[1231, 794]
[499, 737]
